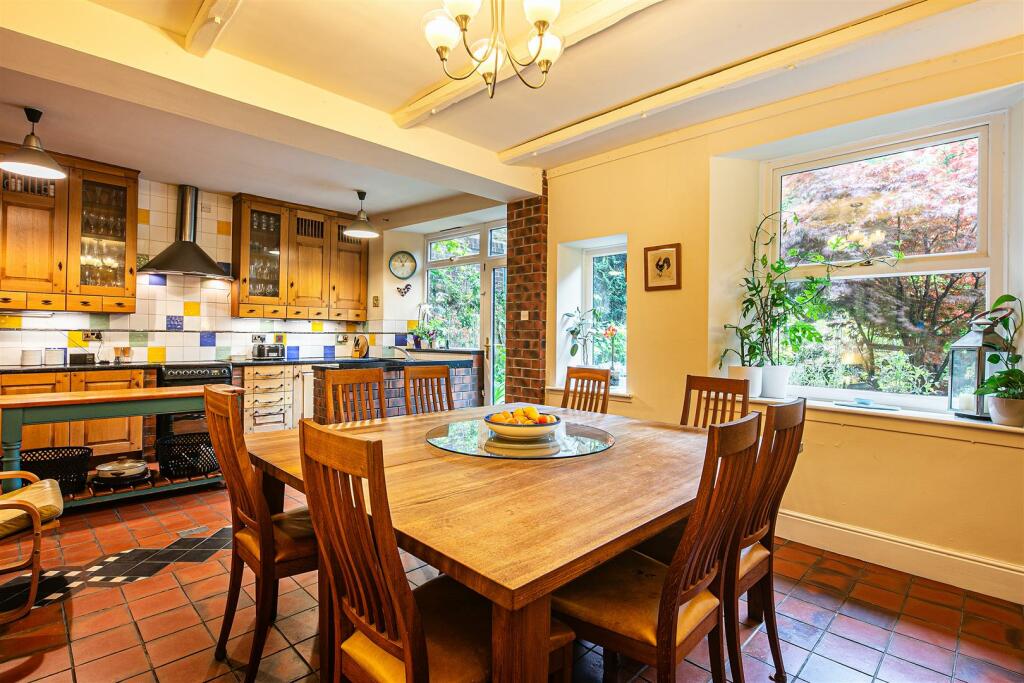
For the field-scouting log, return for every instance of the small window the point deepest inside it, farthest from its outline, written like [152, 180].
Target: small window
[455, 247]
[498, 242]
[605, 299]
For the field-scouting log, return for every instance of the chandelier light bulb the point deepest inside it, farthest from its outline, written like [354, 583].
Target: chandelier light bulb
[550, 49]
[542, 12]
[462, 8]
[441, 30]
[482, 51]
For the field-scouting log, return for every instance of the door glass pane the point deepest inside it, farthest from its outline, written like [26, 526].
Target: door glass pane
[498, 298]
[608, 298]
[104, 222]
[498, 242]
[453, 293]
[456, 247]
[265, 254]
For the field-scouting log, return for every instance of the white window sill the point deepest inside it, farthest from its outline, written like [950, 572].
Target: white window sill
[618, 396]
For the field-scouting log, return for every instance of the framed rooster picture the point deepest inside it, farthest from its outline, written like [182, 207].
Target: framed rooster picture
[661, 267]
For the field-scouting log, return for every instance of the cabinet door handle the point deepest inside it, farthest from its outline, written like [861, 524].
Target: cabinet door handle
[334, 288]
[60, 265]
[131, 270]
[244, 280]
[291, 284]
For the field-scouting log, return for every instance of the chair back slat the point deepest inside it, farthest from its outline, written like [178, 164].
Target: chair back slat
[724, 482]
[718, 399]
[224, 422]
[776, 459]
[428, 389]
[587, 389]
[353, 395]
[344, 480]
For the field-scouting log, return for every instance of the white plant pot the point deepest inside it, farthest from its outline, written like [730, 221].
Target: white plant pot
[774, 380]
[1007, 411]
[752, 375]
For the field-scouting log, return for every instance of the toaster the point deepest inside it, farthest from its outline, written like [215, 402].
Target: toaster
[268, 351]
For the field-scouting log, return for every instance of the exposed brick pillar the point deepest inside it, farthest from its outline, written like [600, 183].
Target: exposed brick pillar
[527, 291]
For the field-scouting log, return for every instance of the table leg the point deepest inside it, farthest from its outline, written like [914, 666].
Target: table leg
[10, 441]
[273, 492]
[519, 642]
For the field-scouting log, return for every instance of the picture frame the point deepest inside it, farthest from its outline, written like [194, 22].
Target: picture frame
[662, 267]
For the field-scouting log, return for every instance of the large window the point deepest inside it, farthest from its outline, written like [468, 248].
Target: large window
[604, 293]
[888, 327]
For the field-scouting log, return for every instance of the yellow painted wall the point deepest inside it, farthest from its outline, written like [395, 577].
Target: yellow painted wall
[956, 499]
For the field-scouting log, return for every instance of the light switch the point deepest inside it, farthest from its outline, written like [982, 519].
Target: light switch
[524, 315]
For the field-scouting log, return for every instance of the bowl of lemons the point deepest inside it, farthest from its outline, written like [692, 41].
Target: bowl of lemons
[526, 422]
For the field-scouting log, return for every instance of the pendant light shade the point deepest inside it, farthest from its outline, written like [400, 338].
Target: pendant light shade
[360, 227]
[31, 159]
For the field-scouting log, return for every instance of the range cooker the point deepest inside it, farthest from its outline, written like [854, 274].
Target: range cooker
[188, 374]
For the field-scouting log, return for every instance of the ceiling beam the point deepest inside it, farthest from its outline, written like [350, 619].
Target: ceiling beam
[464, 209]
[733, 75]
[208, 25]
[571, 28]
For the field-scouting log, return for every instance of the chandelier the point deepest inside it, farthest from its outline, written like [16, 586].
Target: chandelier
[446, 28]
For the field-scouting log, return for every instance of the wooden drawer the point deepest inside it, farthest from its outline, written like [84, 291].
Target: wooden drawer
[265, 372]
[274, 399]
[317, 313]
[273, 311]
[46, 302]
[270, 418]
[298, 312]
[262, 386]
[250, 311]
[13, 300]
[118, 304]
[348, 314]
[77, 302]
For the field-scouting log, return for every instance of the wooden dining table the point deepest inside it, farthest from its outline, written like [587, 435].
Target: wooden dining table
[514, 531]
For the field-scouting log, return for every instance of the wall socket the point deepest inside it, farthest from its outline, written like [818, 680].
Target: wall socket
[524, 315]
[92, 335]
[259, 339]
[376, 301]
[343, 339]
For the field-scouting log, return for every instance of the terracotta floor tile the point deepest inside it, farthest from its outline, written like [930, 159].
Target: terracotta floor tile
[939, 596]
[115, 667]
[922, 653]
[156, 603]
[806, 612]
[822, 597]
[294, 602]
[205, 588]
[96, 622]
[178, 644]
[195, 668]
[40, 616]
[198, 572]
[972, 670]
[244, 621]
[300, 626]
[144, 677]
[793, 657]
[928, 632]
[104, 598]
[239, 648]
[103, 644]
[43, 638]
[839, 564]
[61, 677]
[797, 632]
[894, 670]
[821, 670]
[860, 632]
[285, 665]
[994, 631]
[877, 596]
[930, 612]
[146, 587]
[1011, 616]
[37, 665]
[849, 653]
[213, 608]
[872, 614]
[1000, 655]
[897, 582]
[841, 583]
[168, 622]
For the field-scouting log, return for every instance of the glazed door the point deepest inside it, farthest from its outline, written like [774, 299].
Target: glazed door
[33, 234]
[264, 254]
[102, 234]
[309, 265]
[111, 436]
[39, 436]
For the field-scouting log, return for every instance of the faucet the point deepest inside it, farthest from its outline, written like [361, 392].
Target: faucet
[405, 353]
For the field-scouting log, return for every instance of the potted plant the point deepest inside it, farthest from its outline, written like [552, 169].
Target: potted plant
[427, 332]
[583, 327]
[610, 333]
[1005, 387]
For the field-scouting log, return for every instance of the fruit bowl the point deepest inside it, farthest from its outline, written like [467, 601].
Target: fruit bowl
[532, 429]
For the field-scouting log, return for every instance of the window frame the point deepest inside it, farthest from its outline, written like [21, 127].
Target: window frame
[587, 297]
[991, 254]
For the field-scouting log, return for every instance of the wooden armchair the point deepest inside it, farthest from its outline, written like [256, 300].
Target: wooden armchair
[718, 399]
[428, 389]
[31, 509]
[356, 394]
[587, 389]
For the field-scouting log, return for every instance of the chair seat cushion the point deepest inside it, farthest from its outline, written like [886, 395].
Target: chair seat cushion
[45, 495]
[293, 536]
[457, 627]
[751, 556]
[623, 596]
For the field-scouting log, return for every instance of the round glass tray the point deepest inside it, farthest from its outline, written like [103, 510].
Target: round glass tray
[473, 437]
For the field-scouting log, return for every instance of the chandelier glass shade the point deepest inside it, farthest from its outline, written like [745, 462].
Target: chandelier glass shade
[446, 28]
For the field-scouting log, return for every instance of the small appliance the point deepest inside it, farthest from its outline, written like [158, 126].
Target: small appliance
[54, 356]
[121, 471]
[268, 351]
[31, 357]
[81, 359]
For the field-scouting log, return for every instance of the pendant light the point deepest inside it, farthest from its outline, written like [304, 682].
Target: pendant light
[31, 159]
[361, 227]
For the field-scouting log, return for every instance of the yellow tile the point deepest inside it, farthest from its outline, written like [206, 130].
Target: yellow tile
[280, 338]
[156, 354]
[75, 339]
[144, 216]
[411, 324]
[318, 326]
[373, 340]
[13, 322]
[223, 227]
[192, 308]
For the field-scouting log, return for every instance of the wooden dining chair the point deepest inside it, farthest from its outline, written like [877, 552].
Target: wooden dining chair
[29, 510]
[587, 389]
[428, 389]
[350, 394]
[656, 613]
[718, 399]
[750, 557]
[272, 546]
[383, 630]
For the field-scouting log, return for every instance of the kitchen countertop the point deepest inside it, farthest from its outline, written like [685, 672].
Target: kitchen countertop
[388, 363]
[64, 367]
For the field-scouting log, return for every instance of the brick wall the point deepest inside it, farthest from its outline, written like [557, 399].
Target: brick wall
[527, 291]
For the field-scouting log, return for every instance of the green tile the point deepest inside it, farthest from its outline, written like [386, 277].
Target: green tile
[223, 352]
[99, 321]
[138, 339]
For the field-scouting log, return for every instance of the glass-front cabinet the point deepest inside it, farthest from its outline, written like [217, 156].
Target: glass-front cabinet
[262, 249]
[102, 228]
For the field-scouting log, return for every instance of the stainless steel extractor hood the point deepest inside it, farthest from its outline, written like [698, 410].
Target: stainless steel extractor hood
[184, 256]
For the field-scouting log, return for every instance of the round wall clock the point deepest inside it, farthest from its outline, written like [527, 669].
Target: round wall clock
[402, 265]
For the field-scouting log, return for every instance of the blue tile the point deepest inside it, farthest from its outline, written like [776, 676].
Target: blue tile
[157, 279]
[401, 339]
[175, 323]
[291, 352]
[207, 338]
[329, 352]
[226, 267]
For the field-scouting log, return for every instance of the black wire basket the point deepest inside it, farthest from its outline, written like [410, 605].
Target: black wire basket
[186, 455]
[69, 465]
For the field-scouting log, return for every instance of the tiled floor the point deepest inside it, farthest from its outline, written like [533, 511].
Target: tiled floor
[842, 621]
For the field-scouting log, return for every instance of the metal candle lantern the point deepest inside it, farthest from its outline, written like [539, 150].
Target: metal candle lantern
[969, 366]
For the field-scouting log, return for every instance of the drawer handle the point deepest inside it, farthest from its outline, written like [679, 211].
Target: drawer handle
[5, 300]
[47, 302]
[85, 303]
[251, 310]
[119, 303]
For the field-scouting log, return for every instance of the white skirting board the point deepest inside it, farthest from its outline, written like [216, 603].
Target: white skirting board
[973, 572]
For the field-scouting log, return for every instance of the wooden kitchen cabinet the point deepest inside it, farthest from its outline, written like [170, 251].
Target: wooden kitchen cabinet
[39, 436]
[109, 436]
[268, 397]
[349, 262]
[259, 248]
[102, 237]
[33, 235]
[308, 262]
